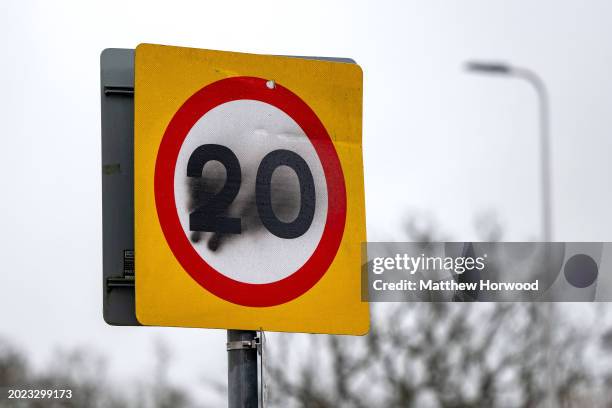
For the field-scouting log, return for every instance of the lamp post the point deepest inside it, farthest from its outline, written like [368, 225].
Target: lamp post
[496, 68]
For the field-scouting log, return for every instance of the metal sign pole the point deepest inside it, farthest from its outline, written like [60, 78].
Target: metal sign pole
[242, 368]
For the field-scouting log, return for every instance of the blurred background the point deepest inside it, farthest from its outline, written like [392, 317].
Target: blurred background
[449, 155]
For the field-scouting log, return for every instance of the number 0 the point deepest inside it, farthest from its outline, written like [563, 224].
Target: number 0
[263, 194]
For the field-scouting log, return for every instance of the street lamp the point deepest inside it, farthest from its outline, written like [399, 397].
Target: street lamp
[498, 68]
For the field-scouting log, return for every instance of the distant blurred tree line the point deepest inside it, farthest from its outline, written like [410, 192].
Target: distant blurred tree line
[447, 355]
[438, 355]
[84, 373]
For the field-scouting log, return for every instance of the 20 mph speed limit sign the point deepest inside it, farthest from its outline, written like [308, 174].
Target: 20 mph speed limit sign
[249, 198]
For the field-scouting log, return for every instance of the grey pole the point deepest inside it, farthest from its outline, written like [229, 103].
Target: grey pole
[538, 84]
[241, 369]
[540, 88]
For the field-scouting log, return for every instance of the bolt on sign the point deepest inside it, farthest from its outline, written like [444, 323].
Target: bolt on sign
[248, 191]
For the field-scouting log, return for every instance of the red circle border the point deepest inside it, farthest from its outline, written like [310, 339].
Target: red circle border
[231, 290]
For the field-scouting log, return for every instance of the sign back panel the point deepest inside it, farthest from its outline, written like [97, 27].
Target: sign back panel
[249, 197]
[117, 117]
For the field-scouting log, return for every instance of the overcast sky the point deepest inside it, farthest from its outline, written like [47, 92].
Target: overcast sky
[437, 141]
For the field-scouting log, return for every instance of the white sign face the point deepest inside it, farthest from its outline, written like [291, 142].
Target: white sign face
[250, 130]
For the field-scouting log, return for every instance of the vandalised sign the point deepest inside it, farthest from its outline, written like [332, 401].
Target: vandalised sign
[248, 190]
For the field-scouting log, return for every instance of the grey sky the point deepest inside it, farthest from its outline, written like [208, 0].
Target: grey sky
[436, 140]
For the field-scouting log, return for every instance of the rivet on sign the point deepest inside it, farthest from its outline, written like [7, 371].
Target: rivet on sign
[271, 84]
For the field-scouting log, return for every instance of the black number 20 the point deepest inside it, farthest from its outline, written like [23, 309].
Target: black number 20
[210, 217]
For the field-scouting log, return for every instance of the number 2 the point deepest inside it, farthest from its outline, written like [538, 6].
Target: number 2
[208, 216]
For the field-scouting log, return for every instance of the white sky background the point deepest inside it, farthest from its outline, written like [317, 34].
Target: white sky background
[436, 140]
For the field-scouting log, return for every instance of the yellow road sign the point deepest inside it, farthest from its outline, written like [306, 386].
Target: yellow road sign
[248, 190]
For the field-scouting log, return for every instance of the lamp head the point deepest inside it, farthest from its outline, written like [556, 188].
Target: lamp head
[489, 67]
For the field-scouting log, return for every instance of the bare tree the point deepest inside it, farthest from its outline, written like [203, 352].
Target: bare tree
[436, 354]
[84, 374]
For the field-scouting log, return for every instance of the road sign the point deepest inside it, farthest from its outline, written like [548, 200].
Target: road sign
[248, 190]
